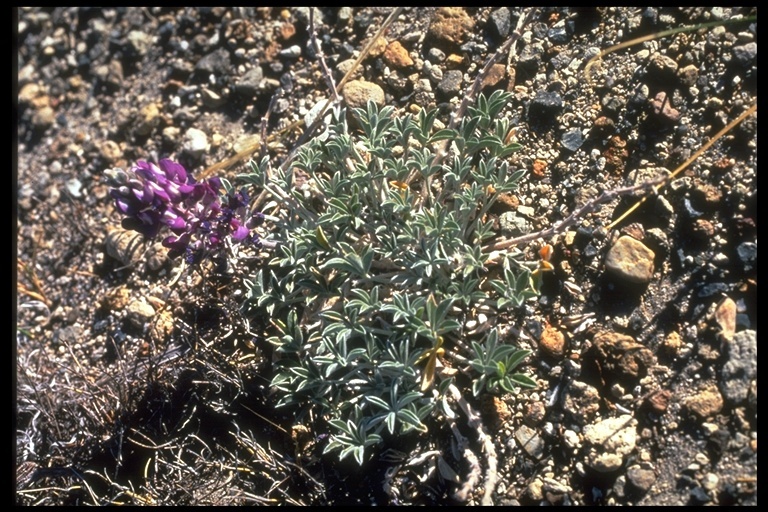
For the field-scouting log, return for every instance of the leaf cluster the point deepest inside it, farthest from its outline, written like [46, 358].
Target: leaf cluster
[380, 267]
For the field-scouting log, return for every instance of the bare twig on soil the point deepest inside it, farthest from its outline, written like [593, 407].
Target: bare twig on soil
[684, 165]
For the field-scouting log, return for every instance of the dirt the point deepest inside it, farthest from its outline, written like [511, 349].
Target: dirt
[139, 381]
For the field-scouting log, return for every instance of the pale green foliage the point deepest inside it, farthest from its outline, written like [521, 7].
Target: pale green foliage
[374, 281]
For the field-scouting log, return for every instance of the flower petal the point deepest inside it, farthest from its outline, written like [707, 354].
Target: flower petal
[175, 171]
[240, 233]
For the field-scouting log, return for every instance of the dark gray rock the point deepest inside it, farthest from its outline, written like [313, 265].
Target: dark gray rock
[745, 55]
[216, 63]
[530, 441]
[248, 85]
[544, 107]
[747, 252]
[572, 139]
[450, 85]
[558, 34]
[499, 24]
[641, 477]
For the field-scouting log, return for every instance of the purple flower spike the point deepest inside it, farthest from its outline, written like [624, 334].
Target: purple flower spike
[151, 196]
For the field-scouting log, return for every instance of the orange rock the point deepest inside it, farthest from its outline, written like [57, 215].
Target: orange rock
[495, 75]
[552, 343]
[539, 168]
[287, 31]
[397, 56]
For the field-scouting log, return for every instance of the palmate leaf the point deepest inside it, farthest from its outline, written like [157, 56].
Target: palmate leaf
[352, 263]
[410, 420]
[352, 439]
[366, 360]
[495, 361]
[424, 122]
[365, 302]
[399, 409]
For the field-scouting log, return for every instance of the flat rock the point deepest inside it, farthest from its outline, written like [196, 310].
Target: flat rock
[725, 317]
[705, 403]
[530, 441]
[545, 106]
[138, 313]
[641, 477]
[195, 142]
[450, 85]
[499, 24]
[397, 56]
[582, 401]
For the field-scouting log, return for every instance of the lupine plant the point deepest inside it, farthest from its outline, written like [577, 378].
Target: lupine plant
[380, 292]
[200, 220]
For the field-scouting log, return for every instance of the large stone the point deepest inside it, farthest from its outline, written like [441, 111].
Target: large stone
[741, 367]
[552, 343]
[582, 401]
[630, 260]
[451, 27]
[195, 142]
[397, 56]
[621, 355]
[530, 441]
[641, 476]
[611, 441]
[357, 93]
[705, 403]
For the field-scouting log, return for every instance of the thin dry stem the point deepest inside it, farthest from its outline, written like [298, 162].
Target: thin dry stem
[319, 120]
[504, 49]
[38, 292]
[574, 217]
[321, 56]
[688, 162]
[471, 95]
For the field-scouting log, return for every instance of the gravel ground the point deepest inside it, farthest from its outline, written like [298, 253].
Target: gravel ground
[134, 383]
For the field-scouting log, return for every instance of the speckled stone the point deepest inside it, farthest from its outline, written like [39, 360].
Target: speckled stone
[641, 477]
[450, 27]
[530, 441]
[397, 56]
[611, 440]
[705, 403]
[357, 93]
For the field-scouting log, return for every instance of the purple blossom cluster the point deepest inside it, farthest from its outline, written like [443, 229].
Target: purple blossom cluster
[152, 196]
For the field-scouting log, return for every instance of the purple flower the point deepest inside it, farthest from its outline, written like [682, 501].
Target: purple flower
[152, 196]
